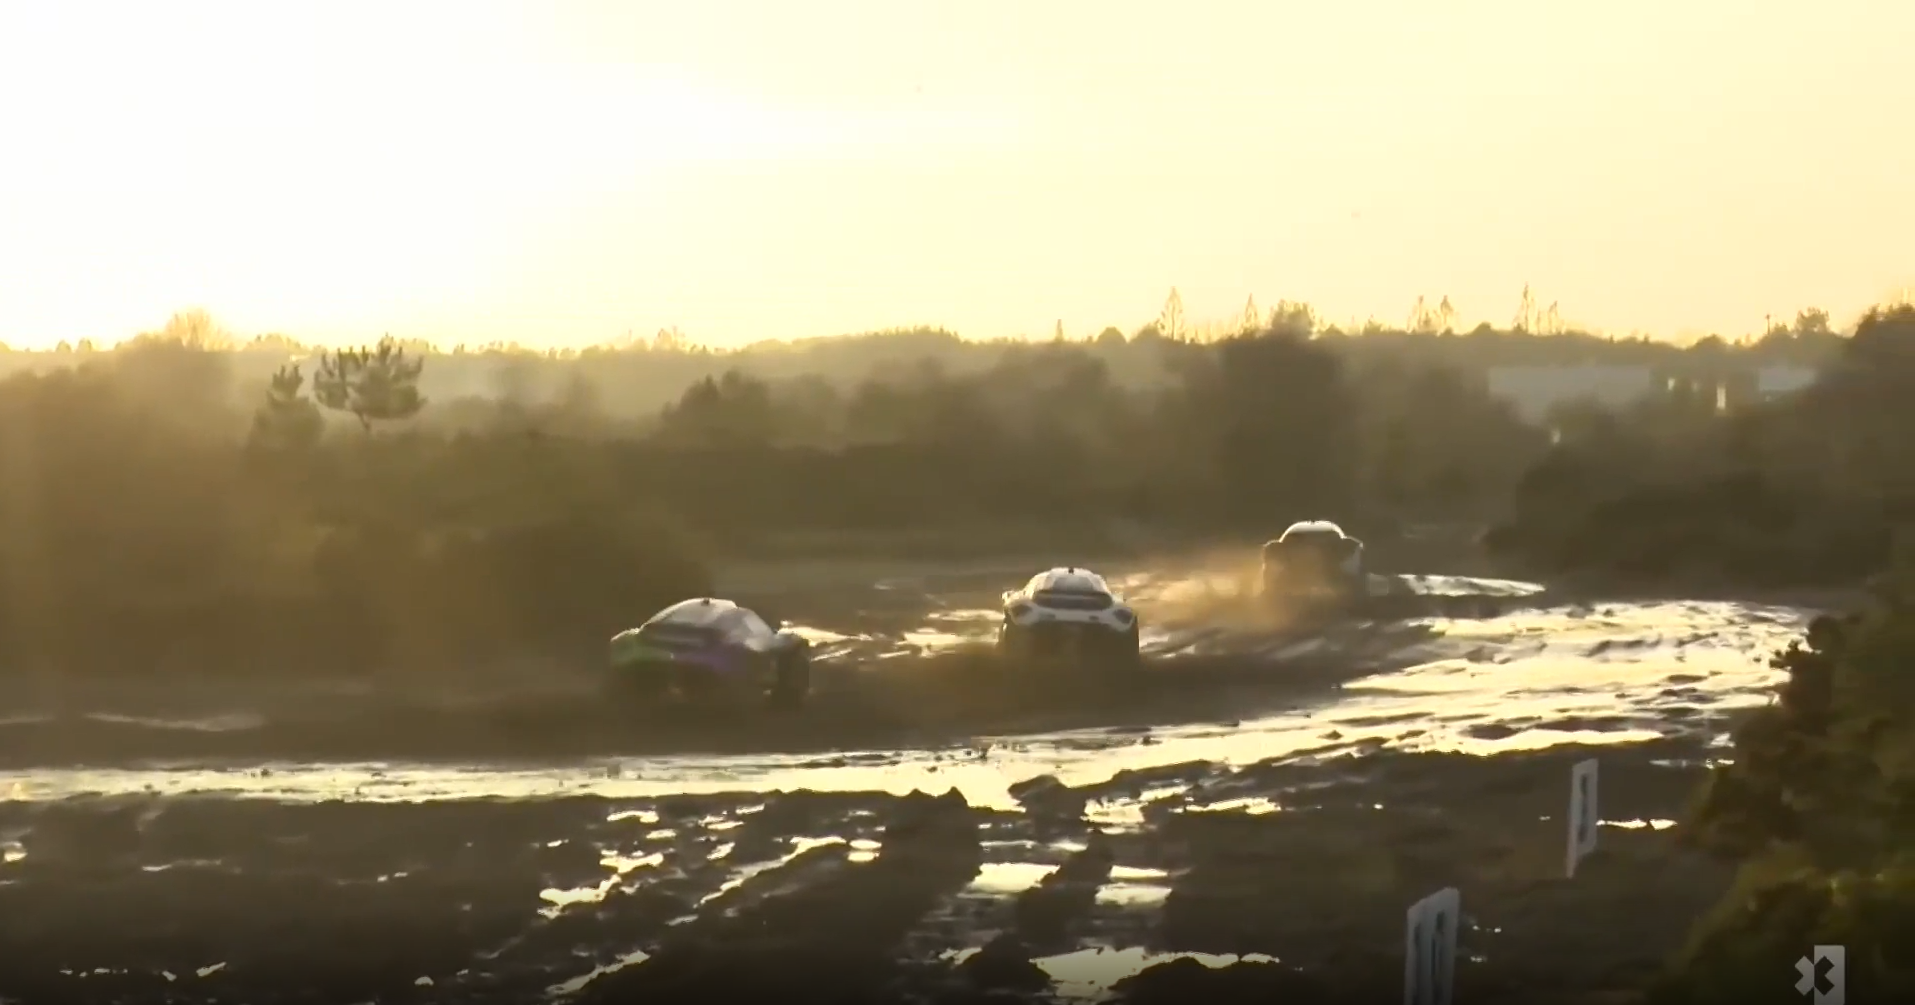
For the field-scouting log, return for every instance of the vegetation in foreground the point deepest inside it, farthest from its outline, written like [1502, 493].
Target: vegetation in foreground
[341, 518]
[1818, 806]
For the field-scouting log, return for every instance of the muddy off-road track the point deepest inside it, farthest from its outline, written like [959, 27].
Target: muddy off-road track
[1249, 821]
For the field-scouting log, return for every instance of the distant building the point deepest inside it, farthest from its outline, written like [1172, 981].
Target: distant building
[1782, 378]
[1534, 390]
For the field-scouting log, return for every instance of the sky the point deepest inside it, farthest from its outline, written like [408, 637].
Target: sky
[564, 173]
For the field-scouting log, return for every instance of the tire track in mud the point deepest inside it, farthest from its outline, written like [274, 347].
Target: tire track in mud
[814, 896]
[769, 939]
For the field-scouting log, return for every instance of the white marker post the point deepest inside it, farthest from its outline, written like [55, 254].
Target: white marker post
[1429, 949]
[1583, 813]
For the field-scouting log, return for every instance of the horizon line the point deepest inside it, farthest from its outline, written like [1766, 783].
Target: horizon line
[221, 338]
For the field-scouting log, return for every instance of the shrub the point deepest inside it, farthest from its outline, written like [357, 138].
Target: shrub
[1819, 806]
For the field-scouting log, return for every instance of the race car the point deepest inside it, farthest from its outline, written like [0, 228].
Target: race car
[711, 648]
[1069, 613]
[1313, 561]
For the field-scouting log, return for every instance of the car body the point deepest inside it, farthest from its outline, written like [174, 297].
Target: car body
[1313, 560]
[1069, 612]
[707, 646]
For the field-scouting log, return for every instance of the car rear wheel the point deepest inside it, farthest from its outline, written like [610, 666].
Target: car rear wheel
[1127, 651]
[791, 679]
[1010, 640]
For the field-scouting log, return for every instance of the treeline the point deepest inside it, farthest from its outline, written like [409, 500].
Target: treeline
[1810, 487]
[340, 515]
[631, 379]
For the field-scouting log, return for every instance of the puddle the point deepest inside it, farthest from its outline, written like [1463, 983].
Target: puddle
[973, 615]
[930, 641]
[1087, 974]
[745, 874]
[1008, 879]
[1252, 805]
[823, 637]
[1134, 887]
[1132, 895]
[560, 899]
[1127, 813]
[577, 984]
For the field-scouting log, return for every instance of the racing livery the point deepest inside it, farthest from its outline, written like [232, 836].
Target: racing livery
[1313, 560]
[711, 647]
[1068, 612]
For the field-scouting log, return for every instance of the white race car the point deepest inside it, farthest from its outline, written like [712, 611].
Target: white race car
[1314, 560]
[1071, 613]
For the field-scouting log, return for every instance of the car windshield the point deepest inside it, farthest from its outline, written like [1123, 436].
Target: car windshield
[1312, 547]
[675, 635]
[1073, 600]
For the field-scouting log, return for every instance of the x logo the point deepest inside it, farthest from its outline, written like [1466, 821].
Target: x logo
[1820, 975]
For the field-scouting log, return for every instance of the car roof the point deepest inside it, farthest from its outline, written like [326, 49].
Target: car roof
[698, 612]
[1069, 579]
[1311, 527]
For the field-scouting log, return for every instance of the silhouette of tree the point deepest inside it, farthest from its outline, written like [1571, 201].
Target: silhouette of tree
[1423, 319]
[377, 384]
[730, 411]
[287, 421]
[1525, 320]
[1170, 323]
[1290, 317]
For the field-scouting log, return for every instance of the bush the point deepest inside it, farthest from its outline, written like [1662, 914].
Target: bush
[1819, 806]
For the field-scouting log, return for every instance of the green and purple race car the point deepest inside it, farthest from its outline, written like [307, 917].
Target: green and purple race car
[711, 648]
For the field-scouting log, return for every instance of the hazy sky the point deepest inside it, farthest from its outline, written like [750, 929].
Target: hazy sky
[556, 172]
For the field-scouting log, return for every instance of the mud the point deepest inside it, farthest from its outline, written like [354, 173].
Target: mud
[899, 662]
[1248, 822]
[1076, 891]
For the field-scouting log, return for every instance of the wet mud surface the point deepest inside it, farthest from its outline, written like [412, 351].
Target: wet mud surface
[1248, 821]
[897, 663]
[1284, 880]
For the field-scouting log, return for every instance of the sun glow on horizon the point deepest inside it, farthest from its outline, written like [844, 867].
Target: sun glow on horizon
[292, 170]
[566, 172]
